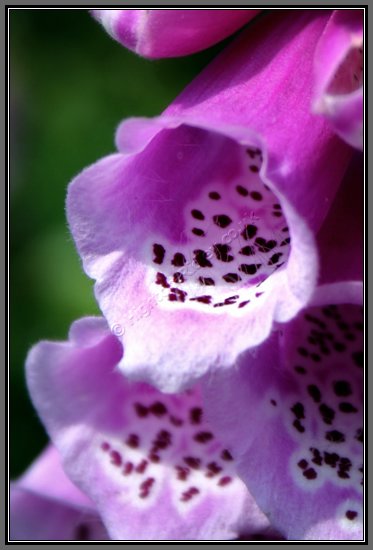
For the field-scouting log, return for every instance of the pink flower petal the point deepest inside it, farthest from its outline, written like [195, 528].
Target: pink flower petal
[149, 461]
[203, 224]
[339, 62]
[45, 505]
[171, 33]
[301, 454]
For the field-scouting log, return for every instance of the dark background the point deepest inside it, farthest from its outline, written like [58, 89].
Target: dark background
[70, 86]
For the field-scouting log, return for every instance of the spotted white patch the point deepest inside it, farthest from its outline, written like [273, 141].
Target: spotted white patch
[236, 238]
[323, 411]
[167, 443]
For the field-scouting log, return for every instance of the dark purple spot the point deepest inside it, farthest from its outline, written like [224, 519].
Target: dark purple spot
[346, 407]
[314, 392]
[158, 408]
[303, 464]
[105, 446]
[207, 281]
[243, 304]
[359, 436]
[176, 421]
[203, 437]
[198, 232]
[177, 295]
[214, 195]
[197, 214]
[273, 402]
[298, 410]
[351, 515]
[327, 413]
[192, 462]
[141, 410]
[222, 252]
[298, 426]
[182, 473]
[226, 455]
[247, 251]
[285, 242]
[302, 351]
[178, 260]
[310, 474]
[249, 269]
[162, 440]
[128, 467]
[200, 257]
[223, 481]
[154, 457]
[249, 232]
[342, 388]
[256, 196]
[159, 253]
[116, 458]
[300, 370]
[202, 299]
[231, 278]
[338, 346]
[275, 258]
[133, 441]
[254, 168]
[82, 532]
[242, 190]
[161, 279]
[358, 358]
[195, 415]
[214, 469]
[331, 459]
[222, 220]
[178, 278]
[140, 468]
[264, 245]
[335, 436]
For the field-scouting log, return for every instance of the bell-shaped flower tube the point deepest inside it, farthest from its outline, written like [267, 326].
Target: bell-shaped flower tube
[149, 461]
[292, 409]
[171, 33]
[200, 231]
[339, 65]
[45, 505]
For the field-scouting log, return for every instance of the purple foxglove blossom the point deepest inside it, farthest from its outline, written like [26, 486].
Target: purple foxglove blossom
[303, 388]
[339, 75]
[171, 33]
[149, 461]
[200, 231]
[45, 505]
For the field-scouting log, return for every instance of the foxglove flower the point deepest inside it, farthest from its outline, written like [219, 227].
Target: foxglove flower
[304, 388]
[339, 75]
[45, 505]
[149, 462]
[171, 33]
[200, 230]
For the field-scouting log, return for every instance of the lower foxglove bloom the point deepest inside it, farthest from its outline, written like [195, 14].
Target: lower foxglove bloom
[339, 75]
[150, 462]
[171, 33]
[304, 387]
[200, 231]
[45, 505]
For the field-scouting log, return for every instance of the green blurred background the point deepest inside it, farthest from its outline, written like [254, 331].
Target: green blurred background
[71, 85]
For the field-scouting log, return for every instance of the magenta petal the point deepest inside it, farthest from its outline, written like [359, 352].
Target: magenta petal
[301, 452]
[339, 75]
[171, 33]
[149, 461]
[204, 222]
[45, 505]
